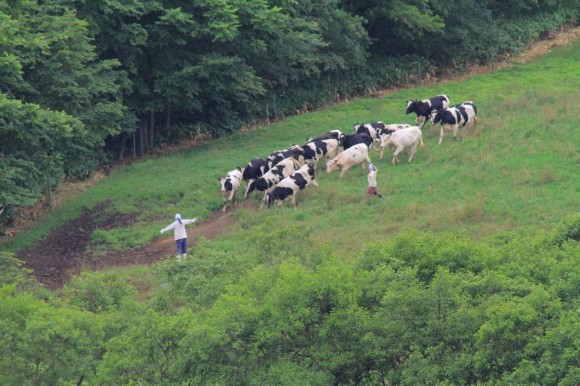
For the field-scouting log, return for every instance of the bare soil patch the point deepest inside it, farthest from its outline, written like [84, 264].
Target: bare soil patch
[63, 254]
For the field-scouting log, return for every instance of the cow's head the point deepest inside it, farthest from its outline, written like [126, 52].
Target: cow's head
[337, 134]
[436, 118]
[410, 107]
[225, 184]
[331, 165]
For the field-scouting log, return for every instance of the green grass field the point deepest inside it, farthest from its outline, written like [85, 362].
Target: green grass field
[520, 167]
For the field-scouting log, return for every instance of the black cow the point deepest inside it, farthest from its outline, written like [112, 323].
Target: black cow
[332, 134]
[425, 107]
[372, 129]
[349, 140]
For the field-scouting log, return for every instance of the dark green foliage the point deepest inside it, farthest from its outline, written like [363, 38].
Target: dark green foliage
[421, 308]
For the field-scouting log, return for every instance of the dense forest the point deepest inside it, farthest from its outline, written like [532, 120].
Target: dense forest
[85, 84]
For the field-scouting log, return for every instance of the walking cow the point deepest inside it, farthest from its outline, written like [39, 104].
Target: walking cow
[289, 186]
[230, 186]
[408, 138]
[461, 115]
[424, 108]
[358, 154]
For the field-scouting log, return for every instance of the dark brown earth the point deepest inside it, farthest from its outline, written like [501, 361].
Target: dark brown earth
[64, 253]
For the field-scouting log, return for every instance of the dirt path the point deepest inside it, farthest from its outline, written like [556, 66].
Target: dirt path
[62, 254]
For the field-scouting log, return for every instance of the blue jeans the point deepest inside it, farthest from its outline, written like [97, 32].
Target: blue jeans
[181, 245]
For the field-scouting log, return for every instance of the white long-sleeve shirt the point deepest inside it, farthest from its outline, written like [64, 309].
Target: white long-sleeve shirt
[179, 229]
[372, 179]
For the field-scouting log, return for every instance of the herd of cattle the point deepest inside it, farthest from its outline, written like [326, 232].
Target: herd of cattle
[284, 173]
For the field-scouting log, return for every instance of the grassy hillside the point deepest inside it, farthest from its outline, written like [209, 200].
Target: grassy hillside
[520, 167]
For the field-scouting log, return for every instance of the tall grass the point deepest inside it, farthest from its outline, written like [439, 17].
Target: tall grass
[518, 167]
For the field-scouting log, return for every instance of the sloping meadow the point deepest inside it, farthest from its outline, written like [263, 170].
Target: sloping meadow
[518, 167]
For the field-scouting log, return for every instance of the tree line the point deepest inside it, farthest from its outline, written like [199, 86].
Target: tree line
[86, 84]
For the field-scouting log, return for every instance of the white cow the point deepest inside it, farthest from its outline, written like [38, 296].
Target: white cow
[230, 186]
[408, 138]
[355, 155]
[289, 186]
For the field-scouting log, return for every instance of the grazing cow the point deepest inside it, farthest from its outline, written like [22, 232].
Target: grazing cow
[332, 134]
[316, 150]
[451, 118]
[289, 186]
[408, 138]
[349, 140]
[358, 154]
[230, 186]
[273, 176]
[425, 107]
[254, 170]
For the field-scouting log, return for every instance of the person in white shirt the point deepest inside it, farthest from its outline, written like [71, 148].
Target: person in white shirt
[179, 234]
[372, 177]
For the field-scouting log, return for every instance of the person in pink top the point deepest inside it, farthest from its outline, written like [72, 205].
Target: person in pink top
[180, 234]
[372, 177]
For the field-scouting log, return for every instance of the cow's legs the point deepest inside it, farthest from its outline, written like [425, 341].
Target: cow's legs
[247, 191]
[381, 152]
[343, 170]
[396, 153]
[265, 198]
[455, 130]
[411, 151]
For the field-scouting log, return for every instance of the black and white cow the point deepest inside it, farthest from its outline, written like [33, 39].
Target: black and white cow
[289, 186]
[294, 151]
[371, 129]
[332, 134]
[315, 150]
[273, 176]
[254, 170]
[349, 140]
[230, 185]
[425, 107]
[452, 118]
